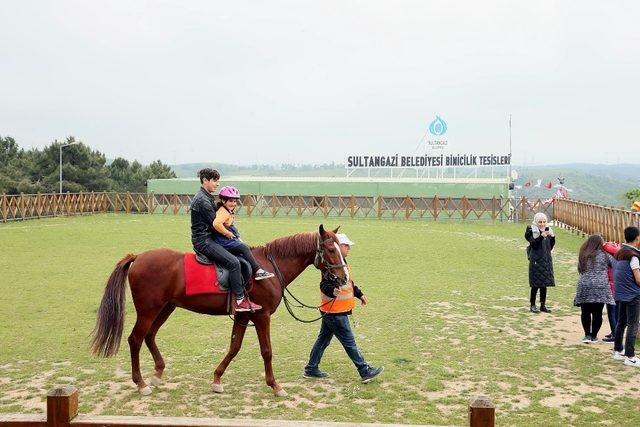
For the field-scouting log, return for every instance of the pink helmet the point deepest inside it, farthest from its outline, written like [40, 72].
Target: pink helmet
[229, 193]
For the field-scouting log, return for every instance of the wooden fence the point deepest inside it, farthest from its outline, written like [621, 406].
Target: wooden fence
[589, 218]
[35, 206]
[62, 411]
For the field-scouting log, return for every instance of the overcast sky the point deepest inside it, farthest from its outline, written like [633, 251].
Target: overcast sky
[315, 81]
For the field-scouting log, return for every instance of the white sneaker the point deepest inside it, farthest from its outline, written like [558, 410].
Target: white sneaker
[618, 355]
[632, 361]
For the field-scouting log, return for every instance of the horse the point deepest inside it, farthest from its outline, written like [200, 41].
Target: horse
[156, 279]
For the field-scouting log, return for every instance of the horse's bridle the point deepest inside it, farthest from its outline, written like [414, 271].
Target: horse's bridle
[321, 263]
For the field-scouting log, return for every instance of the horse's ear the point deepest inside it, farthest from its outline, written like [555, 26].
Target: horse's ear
[336, 230]
[321, 230]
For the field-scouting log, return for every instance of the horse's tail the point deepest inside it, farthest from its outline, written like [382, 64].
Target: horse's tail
[110, 320]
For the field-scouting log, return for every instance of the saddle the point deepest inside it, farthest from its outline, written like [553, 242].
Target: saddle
[203, 276]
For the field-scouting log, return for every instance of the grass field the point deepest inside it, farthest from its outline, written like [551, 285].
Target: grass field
[447, 317]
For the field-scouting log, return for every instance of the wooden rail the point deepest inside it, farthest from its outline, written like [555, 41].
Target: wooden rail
[589, 218]
[36, 206]
[62, 411]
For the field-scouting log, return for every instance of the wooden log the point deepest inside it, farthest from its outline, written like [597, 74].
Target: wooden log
[62, 406]
[482, 413]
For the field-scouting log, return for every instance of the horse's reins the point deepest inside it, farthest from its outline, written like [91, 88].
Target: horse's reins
[318, 262]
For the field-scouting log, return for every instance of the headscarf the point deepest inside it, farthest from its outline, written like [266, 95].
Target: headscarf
[534, 225]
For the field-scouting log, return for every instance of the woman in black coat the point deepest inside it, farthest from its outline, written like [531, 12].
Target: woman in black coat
[541, 241]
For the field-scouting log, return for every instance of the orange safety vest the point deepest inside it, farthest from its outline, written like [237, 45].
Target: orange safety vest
[343, 302]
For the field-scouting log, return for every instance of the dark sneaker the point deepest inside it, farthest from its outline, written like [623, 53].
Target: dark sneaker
[594, 339]
[262, 275]
[609, 338]
[534, 309]
[586, 339]
[315, 374]
[544, 309]
[371, 373]
[247, 305]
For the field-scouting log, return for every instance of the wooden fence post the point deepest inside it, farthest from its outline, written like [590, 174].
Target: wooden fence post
[37, 206]
[435, 204]
[176, 208]
[523, 215]
[127, 204]
[379, 206]
[299, 207]
[22, 210]
[325, 205]
[62, 406]
[273, 205]
[353, 206]
[3, 205]
[482, 413]
[151, 207]
[465, 208]
[408, 210]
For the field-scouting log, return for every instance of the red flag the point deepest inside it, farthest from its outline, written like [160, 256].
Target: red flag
[549, 185]
[527, 184]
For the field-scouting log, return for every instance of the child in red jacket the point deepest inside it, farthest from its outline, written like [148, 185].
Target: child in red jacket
[612, 312]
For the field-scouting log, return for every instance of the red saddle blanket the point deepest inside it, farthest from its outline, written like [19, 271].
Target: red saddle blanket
[200, 279]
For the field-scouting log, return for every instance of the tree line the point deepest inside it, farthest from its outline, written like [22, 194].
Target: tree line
[83, 169]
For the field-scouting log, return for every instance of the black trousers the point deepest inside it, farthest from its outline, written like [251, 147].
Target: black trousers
[591, 318]
[243, 250]
[627, 319]
[543, 295]
[223, 258]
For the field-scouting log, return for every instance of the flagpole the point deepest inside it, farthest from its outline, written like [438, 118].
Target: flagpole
[510, 158]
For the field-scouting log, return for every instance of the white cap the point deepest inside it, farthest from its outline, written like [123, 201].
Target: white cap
[344, 240]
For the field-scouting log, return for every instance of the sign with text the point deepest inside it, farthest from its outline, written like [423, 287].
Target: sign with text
[427, 160]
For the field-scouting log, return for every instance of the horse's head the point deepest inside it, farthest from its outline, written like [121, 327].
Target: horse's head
[328, 256]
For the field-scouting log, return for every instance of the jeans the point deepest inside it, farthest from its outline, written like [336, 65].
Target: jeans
[612, 314]
[627, 318]
[224, 259]
[338, 325]
[243, 250]
[591, 318]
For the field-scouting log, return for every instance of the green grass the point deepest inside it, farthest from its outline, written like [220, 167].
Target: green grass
[447, 317]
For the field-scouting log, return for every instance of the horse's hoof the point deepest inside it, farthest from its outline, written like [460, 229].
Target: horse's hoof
[281, 393]
[145, 391]
[155, 381]
[217, 388]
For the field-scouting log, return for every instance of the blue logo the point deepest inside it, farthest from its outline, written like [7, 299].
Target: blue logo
[438, 127]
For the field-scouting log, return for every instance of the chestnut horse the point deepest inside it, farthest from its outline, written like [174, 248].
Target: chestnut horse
[156, 278]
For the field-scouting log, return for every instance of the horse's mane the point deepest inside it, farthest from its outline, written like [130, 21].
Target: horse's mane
[292, 246]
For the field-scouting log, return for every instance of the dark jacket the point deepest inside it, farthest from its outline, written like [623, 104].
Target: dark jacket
[327, 286]
[540, 261]
[202, 216]
[626, 288]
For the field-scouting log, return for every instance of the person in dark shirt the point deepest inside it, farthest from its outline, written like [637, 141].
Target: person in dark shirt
[202, 215]
[337, 303]
[626, 282]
